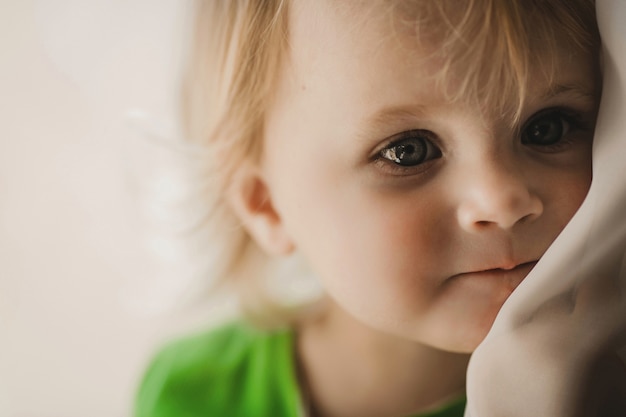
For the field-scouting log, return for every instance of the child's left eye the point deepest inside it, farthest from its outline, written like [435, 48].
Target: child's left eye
[548, 128]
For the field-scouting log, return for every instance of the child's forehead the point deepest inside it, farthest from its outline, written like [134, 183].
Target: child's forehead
[368, 28]
[353, 14]
[475, 57]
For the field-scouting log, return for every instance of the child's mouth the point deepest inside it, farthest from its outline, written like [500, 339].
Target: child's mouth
[504, 269]
[511, 276]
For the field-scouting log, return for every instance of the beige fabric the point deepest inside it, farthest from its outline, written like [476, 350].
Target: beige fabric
[543, 354]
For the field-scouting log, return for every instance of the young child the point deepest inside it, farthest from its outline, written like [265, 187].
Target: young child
[420, 155]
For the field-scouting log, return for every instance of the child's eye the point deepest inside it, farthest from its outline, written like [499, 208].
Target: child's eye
[413, 148]
[548, 128]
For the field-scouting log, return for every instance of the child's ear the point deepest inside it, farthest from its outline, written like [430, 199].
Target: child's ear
[250, 198]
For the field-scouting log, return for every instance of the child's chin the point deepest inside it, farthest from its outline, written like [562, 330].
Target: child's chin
[465, 346]
[469, 338]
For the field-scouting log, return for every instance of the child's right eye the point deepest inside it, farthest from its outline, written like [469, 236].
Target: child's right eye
[412, 148]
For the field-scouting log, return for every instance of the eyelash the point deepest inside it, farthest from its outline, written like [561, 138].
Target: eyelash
[571, 121]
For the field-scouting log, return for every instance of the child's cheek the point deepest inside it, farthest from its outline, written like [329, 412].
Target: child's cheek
[379, 254]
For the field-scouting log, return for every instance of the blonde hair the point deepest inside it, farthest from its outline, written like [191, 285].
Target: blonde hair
[237, 51]
[497, 42]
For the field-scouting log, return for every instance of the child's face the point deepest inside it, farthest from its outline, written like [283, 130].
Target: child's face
[420, 216]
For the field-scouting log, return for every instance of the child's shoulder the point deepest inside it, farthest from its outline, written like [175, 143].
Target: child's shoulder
[233, 370]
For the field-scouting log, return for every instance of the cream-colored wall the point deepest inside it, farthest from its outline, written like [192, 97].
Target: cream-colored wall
[79, 283]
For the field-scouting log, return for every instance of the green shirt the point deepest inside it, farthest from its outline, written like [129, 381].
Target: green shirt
[233, 371]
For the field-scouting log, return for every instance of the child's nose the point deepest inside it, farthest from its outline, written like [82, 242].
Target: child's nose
[495, 195]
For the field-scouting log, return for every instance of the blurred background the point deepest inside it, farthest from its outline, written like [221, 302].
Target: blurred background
[85, 286]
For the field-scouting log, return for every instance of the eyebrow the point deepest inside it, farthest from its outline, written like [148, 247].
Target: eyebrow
[397, 112]
[392, 114]
[577, 90]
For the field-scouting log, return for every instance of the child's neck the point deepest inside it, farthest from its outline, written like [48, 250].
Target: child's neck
[348, 369]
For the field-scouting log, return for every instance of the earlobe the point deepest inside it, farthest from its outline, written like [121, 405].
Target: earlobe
[250, 198]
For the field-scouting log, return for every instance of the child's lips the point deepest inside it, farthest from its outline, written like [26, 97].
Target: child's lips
[505, 268]
[512, 276]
